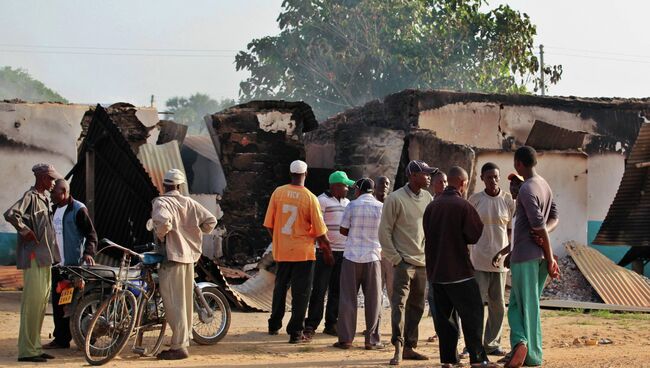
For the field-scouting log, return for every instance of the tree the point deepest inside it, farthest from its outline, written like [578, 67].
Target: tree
[18, 84]
[339, 54]
[190, 111]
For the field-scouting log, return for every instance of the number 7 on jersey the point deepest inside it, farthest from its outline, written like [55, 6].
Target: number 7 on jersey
[293, 213]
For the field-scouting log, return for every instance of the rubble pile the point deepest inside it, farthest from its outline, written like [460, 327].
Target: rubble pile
[572, 284]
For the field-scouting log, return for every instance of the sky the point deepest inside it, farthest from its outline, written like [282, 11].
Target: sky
[109, 51]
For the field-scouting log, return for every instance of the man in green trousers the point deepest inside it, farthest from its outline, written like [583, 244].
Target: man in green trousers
[36, 251]
[531, 260]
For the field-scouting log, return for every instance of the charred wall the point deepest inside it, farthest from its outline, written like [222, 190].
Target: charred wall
[257, 142]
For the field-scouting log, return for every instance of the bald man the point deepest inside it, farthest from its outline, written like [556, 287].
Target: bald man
[450, 224]
[77, 241]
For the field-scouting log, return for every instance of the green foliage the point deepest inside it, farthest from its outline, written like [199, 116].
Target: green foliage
[190, 111]
[338, 54]
[18, 84]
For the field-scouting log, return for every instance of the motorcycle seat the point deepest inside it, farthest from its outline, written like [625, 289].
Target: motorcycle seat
[109, 272]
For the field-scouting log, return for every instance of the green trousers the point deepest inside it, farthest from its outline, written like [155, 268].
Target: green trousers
[36, 292]
[528, 280]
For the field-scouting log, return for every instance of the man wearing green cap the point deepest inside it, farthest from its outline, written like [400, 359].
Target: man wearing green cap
[326, 278]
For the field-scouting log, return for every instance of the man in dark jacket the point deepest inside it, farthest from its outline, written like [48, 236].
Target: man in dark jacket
[36, 251]
[450, 224]
[77, 241]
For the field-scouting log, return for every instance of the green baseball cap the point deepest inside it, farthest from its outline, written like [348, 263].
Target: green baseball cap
[340, 177]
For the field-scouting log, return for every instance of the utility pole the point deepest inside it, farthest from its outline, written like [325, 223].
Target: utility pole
[541, 69]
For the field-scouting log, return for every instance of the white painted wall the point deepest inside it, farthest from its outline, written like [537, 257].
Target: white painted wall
[482, 124]
[605, 174]
[566, 173]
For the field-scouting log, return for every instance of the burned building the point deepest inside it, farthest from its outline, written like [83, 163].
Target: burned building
[583, 144]
[256, 142]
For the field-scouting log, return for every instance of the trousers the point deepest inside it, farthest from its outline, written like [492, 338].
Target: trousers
[299, 276]
[366, 276]
[36, 291]
[407, 303]
[176, 288]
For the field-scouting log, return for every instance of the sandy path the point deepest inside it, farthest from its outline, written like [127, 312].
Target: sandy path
[247, 344]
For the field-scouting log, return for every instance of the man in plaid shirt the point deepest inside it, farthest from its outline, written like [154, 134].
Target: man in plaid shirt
[361, 267]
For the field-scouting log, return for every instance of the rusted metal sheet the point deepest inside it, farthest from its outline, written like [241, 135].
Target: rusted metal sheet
[123, 189]
[545, 136]
[614, 284]
[171, 131]
[11, 277]
[158, 159]
[628, 218]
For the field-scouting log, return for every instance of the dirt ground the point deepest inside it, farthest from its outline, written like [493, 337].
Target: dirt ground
[248, 345]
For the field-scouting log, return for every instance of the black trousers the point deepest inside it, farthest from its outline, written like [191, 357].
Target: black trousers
[326, 281]
[299, 276]
[61, 332]
[462, 300]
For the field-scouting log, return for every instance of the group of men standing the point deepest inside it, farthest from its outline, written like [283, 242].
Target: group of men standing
[56, 230]
[459, 249]
[53, 229]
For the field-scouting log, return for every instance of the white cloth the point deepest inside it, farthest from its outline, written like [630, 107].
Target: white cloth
[495, 212]
[57, 221]
[332, 210]
[362, 218]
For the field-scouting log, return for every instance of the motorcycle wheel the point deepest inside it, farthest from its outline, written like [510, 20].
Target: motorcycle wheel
[212, 331]
[83, 314]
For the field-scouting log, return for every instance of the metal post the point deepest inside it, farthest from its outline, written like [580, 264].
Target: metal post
[541, 69]
[90, 183]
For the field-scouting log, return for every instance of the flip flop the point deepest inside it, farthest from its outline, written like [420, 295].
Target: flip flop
[518, 357]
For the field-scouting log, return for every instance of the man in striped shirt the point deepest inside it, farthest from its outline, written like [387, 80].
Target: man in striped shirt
[361, 267]
[326, 278]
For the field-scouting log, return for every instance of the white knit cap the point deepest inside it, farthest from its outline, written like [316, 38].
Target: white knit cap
[174, 177]
[298, 167]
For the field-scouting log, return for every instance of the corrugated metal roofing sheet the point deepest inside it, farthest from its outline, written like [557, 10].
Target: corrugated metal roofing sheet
[545, 136]
[257, 292]
[628, 218]
[614, 284]
[123, 189]
[160, 158]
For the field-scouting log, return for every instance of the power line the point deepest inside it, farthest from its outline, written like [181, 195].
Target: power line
[597, 52]
[114, 48]
[600, 58]
[113, 53]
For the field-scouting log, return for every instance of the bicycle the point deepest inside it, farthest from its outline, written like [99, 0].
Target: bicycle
[122, 312]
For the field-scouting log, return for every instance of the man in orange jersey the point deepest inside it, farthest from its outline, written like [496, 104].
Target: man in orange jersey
[294, 221]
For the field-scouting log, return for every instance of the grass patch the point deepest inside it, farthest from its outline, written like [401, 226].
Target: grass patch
[306, 349]
[605, 314]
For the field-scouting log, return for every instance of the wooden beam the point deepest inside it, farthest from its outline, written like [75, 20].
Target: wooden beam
[90, 183]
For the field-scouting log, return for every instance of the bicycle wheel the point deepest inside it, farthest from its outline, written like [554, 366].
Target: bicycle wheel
[83, 314]
[110, 328]
[151, 327]
[208, 331]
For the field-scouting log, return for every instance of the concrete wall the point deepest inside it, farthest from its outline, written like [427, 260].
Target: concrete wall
[605, 174]
[29, 134]
[566, 173]
[485, 124]
[33, 133]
